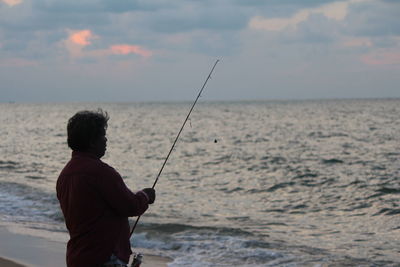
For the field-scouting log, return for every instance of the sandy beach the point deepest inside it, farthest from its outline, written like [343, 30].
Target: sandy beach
[9, 263]
[29, 251]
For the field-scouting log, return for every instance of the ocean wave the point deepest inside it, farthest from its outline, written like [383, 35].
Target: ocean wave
[385, 191]
[205, 246]
[24, 203]
[8, 165]
[388, 211]
[172, 228]
[332, 161]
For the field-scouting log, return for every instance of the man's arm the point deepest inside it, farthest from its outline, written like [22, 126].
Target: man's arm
[116, 194]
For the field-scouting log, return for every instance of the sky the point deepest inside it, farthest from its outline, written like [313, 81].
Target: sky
[163, 50]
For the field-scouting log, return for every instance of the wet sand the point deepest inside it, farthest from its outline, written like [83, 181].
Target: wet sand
[9, 263]
[17, 250]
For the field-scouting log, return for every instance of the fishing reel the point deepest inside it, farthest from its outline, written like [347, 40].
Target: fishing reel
[137, 260]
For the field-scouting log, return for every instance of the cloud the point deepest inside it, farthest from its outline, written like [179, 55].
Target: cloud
[288, 44]
[81, 37]
[382, 57]
[100, 6]
[358, 42]
[76, 41]
[12, 2]
[374, 18]
[335, 11]
[353, 27]
[198, 15]
[79, 45]
[124, 49]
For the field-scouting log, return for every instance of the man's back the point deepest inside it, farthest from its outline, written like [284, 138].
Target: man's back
[96, 203]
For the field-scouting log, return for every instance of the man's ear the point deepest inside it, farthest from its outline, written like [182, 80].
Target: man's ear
[92, 144]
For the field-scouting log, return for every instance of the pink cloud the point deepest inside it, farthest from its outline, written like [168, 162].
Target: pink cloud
[81, 37]
[381, 58]
[78, 39]
[124, 49]
[12, 2]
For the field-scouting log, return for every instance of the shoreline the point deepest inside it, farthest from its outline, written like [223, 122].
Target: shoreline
[21, 250]
[9, 263]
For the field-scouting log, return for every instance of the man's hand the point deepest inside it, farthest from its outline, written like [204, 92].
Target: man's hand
[151, 193]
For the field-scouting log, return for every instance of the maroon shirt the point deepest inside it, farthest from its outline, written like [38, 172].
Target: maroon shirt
[96, 205]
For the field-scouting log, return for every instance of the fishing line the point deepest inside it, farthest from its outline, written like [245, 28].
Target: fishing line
[177, 137]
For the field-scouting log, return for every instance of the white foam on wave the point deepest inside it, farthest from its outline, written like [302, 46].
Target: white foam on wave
[19, 207]
[209, 249]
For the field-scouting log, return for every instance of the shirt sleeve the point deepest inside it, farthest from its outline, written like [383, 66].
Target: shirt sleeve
[142, 192]
[118, 196]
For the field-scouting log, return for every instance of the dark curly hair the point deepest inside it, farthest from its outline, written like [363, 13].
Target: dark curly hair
[84, 127]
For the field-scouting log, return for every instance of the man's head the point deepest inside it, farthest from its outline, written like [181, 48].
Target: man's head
[87, 130]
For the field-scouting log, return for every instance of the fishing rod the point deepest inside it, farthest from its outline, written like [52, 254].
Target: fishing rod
[177, 137]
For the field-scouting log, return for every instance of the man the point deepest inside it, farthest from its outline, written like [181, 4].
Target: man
[94, 199]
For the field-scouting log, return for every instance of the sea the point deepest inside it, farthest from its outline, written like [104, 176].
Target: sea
[249, 183]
